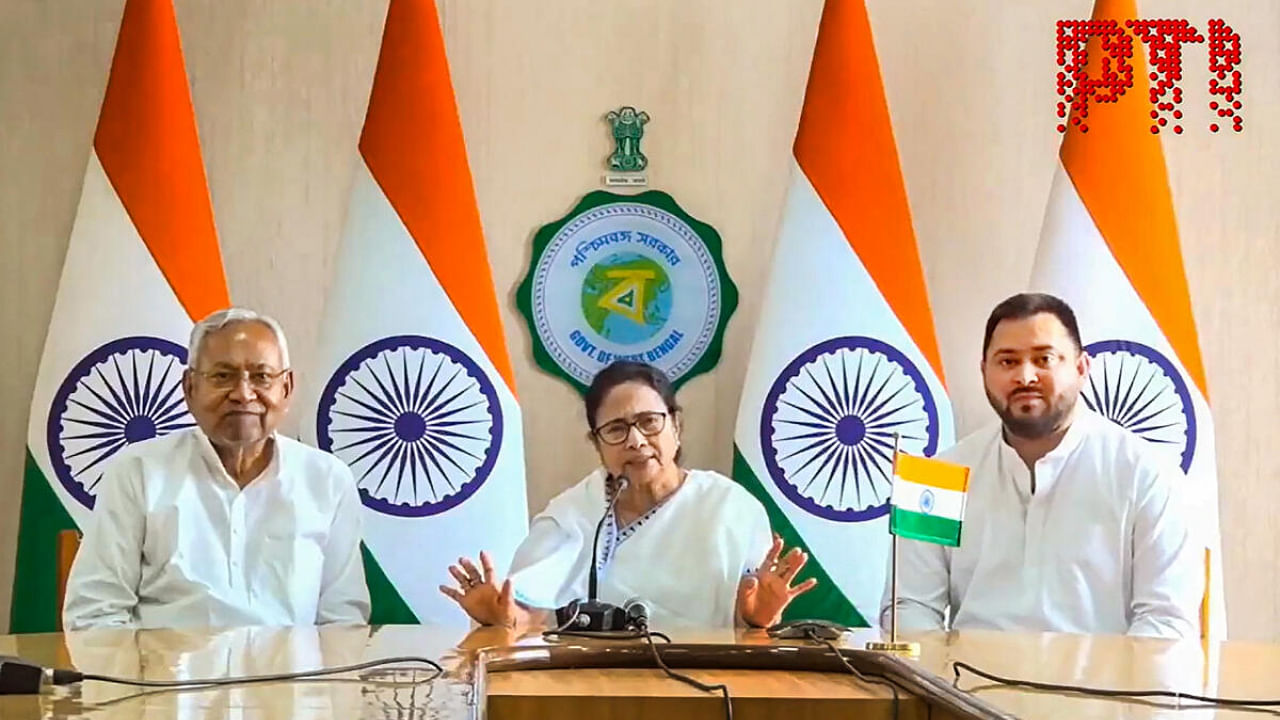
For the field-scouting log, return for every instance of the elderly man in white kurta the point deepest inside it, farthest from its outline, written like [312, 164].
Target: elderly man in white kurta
[226, 523]
[1072, 523]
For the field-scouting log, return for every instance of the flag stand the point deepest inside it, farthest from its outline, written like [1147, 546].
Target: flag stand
[894, 646]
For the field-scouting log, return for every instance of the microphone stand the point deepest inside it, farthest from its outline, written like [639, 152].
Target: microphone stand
[593, 615]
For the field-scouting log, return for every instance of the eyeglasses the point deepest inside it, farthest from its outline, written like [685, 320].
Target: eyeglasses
[616, 432]
[224, 379]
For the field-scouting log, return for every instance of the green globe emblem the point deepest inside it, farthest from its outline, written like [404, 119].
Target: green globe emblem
[626, 298]
[602, 286]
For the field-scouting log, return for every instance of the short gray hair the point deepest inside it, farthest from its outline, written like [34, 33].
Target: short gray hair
[223, 318]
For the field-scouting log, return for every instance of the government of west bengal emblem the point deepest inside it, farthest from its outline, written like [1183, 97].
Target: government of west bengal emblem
[626, 277]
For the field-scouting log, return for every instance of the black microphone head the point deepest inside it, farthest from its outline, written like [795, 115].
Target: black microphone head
[19, 677]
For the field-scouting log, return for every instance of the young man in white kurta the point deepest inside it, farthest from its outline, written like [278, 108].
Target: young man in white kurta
[1102, 546]
[1072, 523]
[684, 559]
[174, 542]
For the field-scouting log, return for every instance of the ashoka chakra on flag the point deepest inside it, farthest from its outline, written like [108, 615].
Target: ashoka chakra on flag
[828, 424]
[418, 422]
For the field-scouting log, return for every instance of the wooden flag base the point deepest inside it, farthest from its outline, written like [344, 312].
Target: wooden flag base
[905, 649]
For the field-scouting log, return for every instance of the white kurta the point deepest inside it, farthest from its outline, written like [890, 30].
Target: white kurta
[174, 542]
[684, 560]
[1103, 545]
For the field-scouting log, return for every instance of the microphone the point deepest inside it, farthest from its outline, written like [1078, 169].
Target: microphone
[592, 615]
[22, 677]
[592, 575]
[19, 677]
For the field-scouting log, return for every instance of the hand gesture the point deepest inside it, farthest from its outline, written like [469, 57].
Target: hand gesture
[479, 594]
[764, 595]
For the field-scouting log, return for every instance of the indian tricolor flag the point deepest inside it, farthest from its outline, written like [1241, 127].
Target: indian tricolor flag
[1109, 247]
[415, 388]
[928, 499]
[142, 265]
[844, 356]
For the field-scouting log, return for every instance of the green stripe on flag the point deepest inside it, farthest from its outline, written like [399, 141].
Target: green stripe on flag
[825, 601]
[35, 577]
[388, 608]
[929, 528]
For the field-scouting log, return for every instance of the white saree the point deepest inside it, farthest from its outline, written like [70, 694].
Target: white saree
[684, 559]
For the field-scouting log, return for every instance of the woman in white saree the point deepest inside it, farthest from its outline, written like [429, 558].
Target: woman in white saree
[693, 545]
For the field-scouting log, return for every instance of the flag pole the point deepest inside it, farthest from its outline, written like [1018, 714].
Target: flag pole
[895, 647]
[893, 566]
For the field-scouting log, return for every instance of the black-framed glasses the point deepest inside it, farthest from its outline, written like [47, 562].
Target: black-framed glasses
[615, 432]
[226, 378]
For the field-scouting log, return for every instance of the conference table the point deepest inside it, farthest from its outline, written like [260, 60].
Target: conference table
[494, 673]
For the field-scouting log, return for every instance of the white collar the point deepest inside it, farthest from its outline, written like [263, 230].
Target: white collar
[210, 455]
[1051, 464]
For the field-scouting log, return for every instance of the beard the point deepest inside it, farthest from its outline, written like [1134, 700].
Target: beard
[1033, 427]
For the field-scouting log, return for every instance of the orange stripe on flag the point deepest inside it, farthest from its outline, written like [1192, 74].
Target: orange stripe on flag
[1118, 170]
[845, 147]
[930, 471]
[149, 149]
[413, 145]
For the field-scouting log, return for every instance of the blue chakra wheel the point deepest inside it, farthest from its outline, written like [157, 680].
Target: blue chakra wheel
[1139, 389]
[123, 392]
[927, 501]
[418, 422]
[828, 423]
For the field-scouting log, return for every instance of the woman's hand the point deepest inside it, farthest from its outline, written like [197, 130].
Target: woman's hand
[764, 595]
[479, 594]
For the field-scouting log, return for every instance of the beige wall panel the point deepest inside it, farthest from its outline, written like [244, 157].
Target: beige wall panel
[280, 90]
